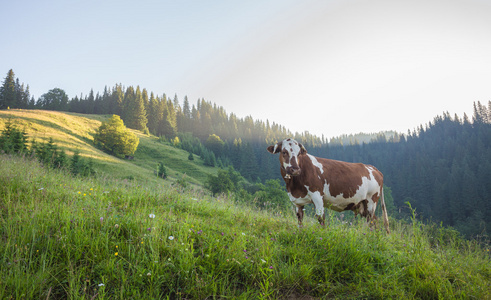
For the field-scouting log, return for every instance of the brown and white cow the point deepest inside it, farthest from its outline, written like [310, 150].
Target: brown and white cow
[329, 183]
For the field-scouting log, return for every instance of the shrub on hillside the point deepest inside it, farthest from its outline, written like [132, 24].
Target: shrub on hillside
[225, 181]
[220, 183]
[162, 171]
[113, 137]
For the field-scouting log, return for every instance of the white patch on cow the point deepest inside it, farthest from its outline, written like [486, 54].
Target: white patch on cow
[295, 148]
[275, 147]
[338, 203]
[374, 188]
[312, 197]
[317, 200]
[316, 163]
[365, 191]
[371, 206]
[300, 201]
[293, 151]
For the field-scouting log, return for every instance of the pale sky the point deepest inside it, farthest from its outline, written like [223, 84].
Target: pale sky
[327, 67]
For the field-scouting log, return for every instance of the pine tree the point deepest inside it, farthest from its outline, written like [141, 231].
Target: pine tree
[89, 109]
[134, 109]
[167, 121]
[171, 112]
[128, 102]
[32, 103]
[12, 139]
[19, 92]
[466, 120]
[195, 119]
[75, 163]
[134, 114]
[117, 99]
[140, 114]
[162, 171]
[46, 152]
[7, 91]
[186, 110]
[145, 99]
[480, 115]
[61, 160]
[24, 101]
[153, 114]
[166, 129]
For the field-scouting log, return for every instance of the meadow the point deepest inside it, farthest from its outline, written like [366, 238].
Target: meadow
[65, 237]
[74, 132]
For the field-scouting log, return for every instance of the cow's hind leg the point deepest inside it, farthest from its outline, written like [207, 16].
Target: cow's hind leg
[371, 217]
[319, 208]
[321, 218]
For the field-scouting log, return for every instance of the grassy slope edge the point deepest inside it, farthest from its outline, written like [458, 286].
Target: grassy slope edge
[72, 132]
[65, 237]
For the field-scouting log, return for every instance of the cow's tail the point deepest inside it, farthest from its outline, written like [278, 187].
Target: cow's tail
[384, 213]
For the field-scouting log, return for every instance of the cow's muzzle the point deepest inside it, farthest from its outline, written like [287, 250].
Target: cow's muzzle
[292, 172]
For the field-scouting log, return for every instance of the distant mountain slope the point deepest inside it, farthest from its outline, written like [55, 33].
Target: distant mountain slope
[74, 132]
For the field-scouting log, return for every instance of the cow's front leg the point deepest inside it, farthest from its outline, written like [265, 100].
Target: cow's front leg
[299, 211]
[319, 208]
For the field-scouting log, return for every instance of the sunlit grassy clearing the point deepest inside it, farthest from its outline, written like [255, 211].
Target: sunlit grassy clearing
[74, 132]
[83, 238]
[69, 132]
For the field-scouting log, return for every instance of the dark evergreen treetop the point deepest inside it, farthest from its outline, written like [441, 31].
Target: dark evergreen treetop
[7, 92]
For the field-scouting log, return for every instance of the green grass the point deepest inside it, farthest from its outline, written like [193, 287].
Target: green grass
[74, 132]
[93, 238]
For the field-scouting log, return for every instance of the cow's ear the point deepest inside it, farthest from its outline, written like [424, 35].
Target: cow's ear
[275, 148]
[302, 149]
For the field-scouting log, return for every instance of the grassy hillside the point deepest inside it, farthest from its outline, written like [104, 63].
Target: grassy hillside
[73, 132]
[70, 238]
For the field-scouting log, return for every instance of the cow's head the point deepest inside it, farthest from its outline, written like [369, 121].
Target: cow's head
[289, 150]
